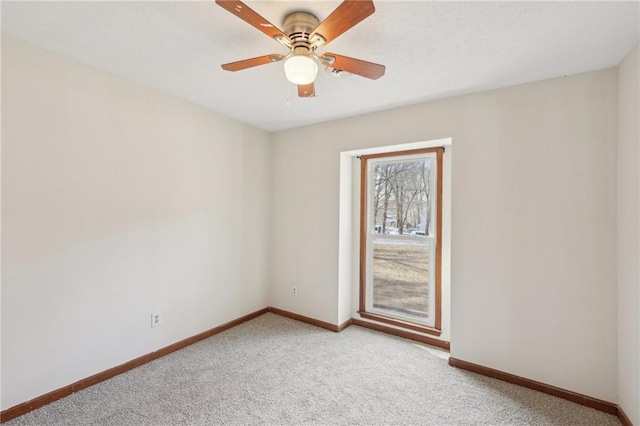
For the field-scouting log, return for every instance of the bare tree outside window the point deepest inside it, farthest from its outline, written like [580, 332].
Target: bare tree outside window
[402, 198]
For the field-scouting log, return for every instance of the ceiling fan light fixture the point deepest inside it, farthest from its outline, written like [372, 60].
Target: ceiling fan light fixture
[303, 34]
[300, 69]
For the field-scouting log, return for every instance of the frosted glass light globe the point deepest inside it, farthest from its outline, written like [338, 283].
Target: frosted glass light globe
[300, 69]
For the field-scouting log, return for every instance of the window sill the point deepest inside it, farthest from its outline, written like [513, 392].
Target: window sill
[400, 323]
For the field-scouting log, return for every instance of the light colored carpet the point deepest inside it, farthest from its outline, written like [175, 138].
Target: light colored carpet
[277, 371]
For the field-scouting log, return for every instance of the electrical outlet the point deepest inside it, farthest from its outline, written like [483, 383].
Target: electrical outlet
[294, 291]
[155, 319]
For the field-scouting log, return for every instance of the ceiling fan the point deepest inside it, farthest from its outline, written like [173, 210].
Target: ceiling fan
[303, 34]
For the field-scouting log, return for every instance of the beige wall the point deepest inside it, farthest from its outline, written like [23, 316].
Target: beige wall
[533, 265]
[628, 241]
[118, 201]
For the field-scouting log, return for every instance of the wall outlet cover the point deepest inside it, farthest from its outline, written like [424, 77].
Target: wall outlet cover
[155, 319]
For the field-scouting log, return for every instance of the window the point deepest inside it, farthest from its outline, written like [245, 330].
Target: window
[400, 238]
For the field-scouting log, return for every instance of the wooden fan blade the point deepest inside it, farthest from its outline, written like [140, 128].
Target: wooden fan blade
[354, 66]
[253, 62]
[248, 15]
[346, 16]
[306, 90]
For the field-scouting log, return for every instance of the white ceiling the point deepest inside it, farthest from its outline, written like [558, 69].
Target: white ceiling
[431, 50]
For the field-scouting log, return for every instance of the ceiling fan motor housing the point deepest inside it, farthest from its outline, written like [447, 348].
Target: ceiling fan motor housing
[299, 26]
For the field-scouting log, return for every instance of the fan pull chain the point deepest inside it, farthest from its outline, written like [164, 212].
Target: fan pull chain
[288, 102]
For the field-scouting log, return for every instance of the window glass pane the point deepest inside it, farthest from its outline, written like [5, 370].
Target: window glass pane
[402, 197]
[401, 276]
